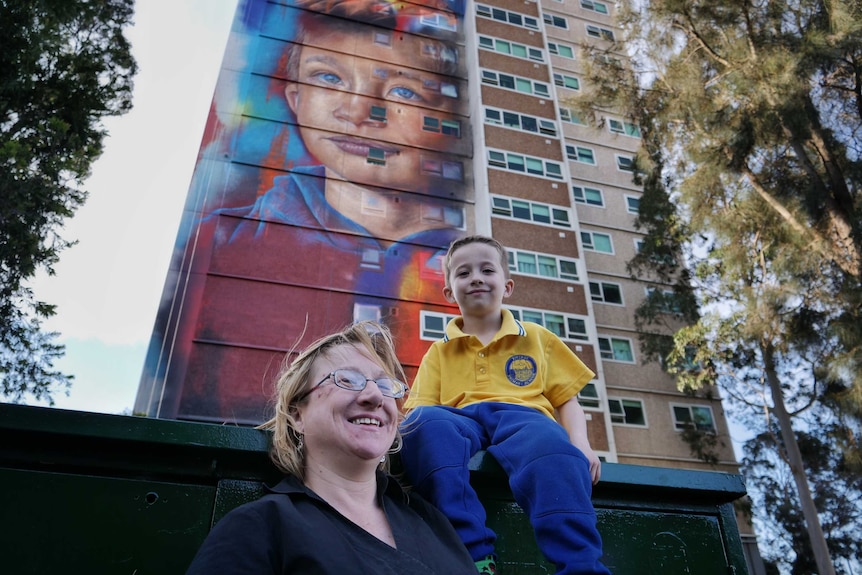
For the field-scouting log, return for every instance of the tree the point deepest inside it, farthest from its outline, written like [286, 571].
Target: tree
[64, 66]
[752, 121]
[837, 491]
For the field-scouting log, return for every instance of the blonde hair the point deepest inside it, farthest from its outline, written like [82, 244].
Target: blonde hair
[293, 381]
[475, 239]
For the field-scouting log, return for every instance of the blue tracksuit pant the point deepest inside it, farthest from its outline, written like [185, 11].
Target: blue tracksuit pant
[549, 477]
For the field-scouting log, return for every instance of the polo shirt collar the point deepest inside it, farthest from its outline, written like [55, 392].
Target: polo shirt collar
[290, 485]
[510, 326]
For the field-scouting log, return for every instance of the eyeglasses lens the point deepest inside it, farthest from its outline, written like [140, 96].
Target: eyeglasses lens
[356, 382]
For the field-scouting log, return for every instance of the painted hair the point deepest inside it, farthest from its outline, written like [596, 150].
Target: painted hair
[294, 380]
[321, 17]
[475, 239]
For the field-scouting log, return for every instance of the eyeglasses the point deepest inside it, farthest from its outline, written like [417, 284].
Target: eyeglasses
[355, 381]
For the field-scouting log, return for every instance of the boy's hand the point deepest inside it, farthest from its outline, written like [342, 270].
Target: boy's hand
[572, 418]
[595, 462]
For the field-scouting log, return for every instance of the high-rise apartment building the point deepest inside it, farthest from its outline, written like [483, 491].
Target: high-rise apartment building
[349, 142]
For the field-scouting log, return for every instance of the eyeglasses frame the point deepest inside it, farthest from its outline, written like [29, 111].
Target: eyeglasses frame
[331, 375]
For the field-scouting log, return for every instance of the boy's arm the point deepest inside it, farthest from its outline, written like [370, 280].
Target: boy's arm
[572, 418]
[426, 385]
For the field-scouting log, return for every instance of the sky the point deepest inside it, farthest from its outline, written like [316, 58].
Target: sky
[108, 286]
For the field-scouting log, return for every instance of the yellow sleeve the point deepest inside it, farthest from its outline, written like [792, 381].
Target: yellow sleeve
[426, 385]
[566, 374]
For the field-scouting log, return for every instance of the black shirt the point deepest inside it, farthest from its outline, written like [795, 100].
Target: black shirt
[293, 530]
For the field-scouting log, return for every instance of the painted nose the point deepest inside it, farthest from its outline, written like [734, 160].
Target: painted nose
[356, 110]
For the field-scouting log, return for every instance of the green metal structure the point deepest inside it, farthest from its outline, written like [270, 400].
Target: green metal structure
[106, 494]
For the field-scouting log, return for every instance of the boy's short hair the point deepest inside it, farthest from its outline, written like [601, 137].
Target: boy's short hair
[475, 239]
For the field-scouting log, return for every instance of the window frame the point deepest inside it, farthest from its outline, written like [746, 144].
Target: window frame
[681, 426]
[558, 49]
[494, 78]
[582, 336]
[591, 244]
[497, 210]
[531, 53]
[426, 333]
[610, 341]
[560, 275]
[613, 401]
[544, 126]
[581, 154]
[600, 33]
[584, 199]
[548, 167]
[599, 295]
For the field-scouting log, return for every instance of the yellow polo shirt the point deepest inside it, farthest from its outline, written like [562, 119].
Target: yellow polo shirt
[525, 364]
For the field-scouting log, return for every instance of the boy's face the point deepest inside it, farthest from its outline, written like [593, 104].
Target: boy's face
[332, 100]
[477, 280]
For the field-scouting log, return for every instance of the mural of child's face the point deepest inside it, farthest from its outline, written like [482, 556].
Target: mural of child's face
[333, 98]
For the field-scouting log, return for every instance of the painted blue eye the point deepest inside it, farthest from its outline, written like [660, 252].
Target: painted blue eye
[328, 78]
[406, 94]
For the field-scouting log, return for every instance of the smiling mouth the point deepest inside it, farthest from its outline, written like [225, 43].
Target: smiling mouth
[366, 421]
[360, 147]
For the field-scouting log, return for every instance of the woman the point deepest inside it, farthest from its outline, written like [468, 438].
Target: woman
[336, 511]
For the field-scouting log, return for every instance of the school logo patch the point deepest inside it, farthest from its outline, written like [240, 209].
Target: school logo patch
[521, 370]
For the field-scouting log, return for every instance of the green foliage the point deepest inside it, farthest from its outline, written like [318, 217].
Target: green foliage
[752, 112]
[837, 491]
[65, 65]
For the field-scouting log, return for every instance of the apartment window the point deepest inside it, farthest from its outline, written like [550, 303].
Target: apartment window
[531, 211]
[570, 116]
[440, 21]
[528, 164]
[434, 324]
[581, 154]
[666, 301]
[561, 50]
[445, 170]
[589, 196]
[633, 204]
[445, 127]
[366, 312]
[501, 15]
[599, 32]
[597, 242]
[616, 349]
[625, 128]
[511, 48]
[589, 396]
[626, 163]
[450, 128]
[376, 156]
[595, 6]
[557, 21]
[520, 121]
[605, 292]
[509, 82]
[627, 411]
[542, 265]
[693, 416]
[569, 82]
[564, 326]
[377, 113]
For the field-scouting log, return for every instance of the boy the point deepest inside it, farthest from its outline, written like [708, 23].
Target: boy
[494, 383]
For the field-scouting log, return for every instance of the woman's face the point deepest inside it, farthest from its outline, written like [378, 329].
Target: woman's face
[332, 99]
[340, 425]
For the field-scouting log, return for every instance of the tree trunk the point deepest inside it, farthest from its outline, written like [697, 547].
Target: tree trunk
[809, 511]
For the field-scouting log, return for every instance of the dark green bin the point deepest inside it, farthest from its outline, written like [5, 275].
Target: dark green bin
[105, 494]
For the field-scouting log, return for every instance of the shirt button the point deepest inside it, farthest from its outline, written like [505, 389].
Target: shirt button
[481, 354]
[482, 370]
